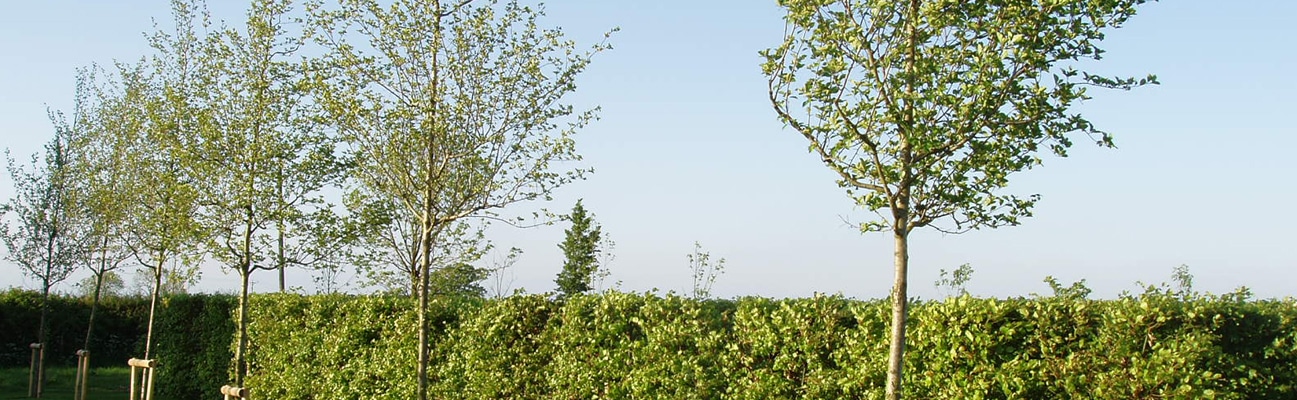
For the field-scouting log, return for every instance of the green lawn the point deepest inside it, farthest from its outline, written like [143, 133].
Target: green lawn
[105, 383]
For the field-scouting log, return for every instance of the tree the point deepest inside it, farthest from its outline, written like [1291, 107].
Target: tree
[388, 255]
[459, 280]
[259, 152]
[100, 194]
[581, 251]
[152, 114]
[176, 278]
[704, 272]
[954, 283]
[452, 111]
[925, 108]
[39, 225]
[109, 284]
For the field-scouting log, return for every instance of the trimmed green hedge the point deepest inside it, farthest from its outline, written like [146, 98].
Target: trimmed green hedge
[620, 345]
[192, 336]
[193, 345]
[119, 328]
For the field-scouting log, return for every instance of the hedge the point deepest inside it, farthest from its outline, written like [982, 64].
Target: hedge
[192, 335]
[119, 328]
[619, 345]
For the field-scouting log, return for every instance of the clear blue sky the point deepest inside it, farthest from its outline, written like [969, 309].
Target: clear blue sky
[688, 150]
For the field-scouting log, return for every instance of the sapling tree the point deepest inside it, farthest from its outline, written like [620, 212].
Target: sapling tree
[99, 195]
[925, 108]
[704, 271]
[387, 243]
[607, 250]
[954, 282]
[262, 158]
[40, 225]
[580, 253]
[152, 116]
[110, 284]
[453, 110]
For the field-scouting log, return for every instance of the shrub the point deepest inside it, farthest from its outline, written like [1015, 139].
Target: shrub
[619, 345]
[192, 334]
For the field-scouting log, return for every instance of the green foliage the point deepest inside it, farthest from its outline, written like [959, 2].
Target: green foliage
[192, 342]
[581, 253]
[618, 345]
[954, 283]
[119, 327]
[193, 345]
[926, 108]
[1076, 291]
[338, 346]
[112, 286]
[703, 271]
[458, 280]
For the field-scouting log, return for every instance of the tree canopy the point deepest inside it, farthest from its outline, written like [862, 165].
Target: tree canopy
[924, 108]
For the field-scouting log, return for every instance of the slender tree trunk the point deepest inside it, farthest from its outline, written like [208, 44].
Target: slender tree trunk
[99, 285]
[429, 223]
[424, 267]
[900, 207]
[281, 260]
[245, 269]
[42, 333]
[94, 306]
[240, 365]
[153, 307]
[900, 305]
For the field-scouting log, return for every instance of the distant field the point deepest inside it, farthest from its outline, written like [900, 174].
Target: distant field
[105, 383]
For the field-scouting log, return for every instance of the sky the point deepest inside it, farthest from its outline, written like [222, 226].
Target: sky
[688, 150]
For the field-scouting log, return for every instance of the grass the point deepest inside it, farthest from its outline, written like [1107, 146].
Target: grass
[105, 383]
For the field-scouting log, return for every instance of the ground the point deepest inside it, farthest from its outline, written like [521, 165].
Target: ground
[104, 383]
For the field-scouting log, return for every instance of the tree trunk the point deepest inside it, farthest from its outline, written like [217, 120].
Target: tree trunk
[900, 305]
[281, 260]
[240, 365]
[41, 335]
[245, 270]
[99, 285]
[428, 222]
[424, 267]
[94, 305]
[153, 307]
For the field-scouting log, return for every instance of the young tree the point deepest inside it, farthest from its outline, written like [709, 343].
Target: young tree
[109, 284]
[388, 243]
[153, 115]
[176, 278]
[459, 280]
[704, 272]
[40, 225]
[954, 283]
[99, 195]
[262, 159]
[581, 253]
[925, 108]
[454, 110]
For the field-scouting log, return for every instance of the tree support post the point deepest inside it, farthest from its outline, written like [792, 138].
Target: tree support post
[234, 392]
[37, 374]
[142, 378]
[79, 388]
